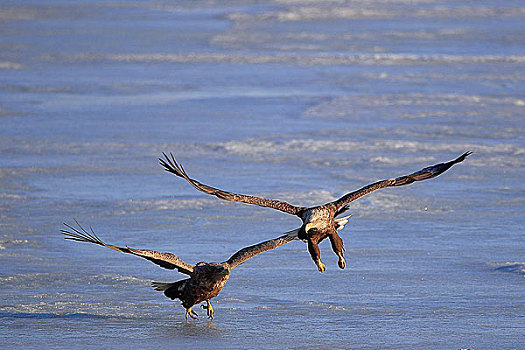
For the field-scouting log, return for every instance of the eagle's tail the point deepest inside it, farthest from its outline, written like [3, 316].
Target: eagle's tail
[341, 222]
[171, 290]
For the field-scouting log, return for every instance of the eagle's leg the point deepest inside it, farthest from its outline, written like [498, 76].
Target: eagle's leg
[313, 248]
[209, 309]
[191, 313]
[337, 247]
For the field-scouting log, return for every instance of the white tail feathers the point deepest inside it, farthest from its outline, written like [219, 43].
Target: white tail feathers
[171, 290]
[341, 222]
[161, 286]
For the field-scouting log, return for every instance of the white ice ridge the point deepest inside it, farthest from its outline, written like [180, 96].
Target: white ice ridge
[302, 59]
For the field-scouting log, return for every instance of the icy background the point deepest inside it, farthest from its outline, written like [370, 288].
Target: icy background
[293, 99]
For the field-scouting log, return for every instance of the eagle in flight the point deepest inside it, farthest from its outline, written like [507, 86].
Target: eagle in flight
[319, 222]
[205, 281]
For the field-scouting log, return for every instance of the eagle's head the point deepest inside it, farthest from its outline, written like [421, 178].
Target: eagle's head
[306, 231]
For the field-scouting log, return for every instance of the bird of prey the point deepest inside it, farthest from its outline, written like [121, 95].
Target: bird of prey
[319, 221]
[205, 280]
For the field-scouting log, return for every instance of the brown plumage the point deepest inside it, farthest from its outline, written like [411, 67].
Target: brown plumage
[206, 279]
[319, 221]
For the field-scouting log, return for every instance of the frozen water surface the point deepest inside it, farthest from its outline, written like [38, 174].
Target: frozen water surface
[297, 100]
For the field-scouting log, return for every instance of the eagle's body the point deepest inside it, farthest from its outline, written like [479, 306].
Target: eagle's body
[319, 222]
[322, 217]
[205, 281]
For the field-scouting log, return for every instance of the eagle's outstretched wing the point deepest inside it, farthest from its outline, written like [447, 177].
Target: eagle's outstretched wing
[171, 165]
[251, 251]
[423, 174]
[165, 260]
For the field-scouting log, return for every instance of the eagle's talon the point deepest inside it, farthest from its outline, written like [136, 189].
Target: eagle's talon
[341, 263]
[209, 309]
[320, 266]
[191, 313]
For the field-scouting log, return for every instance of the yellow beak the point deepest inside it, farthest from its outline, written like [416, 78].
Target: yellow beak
[308, 227]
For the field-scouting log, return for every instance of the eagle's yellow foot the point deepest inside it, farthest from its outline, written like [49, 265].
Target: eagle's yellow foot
[209, 309]
[341, 262]
[191, 313]
[320, 266]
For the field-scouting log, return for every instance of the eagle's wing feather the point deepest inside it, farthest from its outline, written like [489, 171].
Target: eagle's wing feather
[165, 260]
[423, 174]
[249, 252]
[171, 165]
